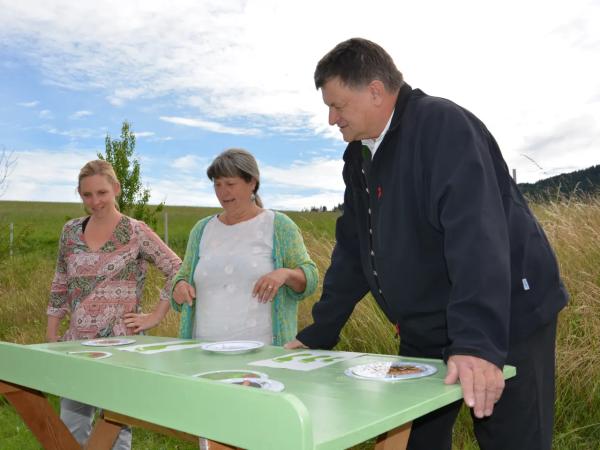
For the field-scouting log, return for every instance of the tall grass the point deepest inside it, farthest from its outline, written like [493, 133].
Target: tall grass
[573, 228]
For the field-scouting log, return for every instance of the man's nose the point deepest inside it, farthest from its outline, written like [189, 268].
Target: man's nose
[333, 116]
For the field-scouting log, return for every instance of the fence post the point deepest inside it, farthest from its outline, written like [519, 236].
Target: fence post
[10, 238]
[166, 221]
[515, 175]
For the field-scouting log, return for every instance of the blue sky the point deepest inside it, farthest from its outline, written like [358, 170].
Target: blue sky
[197, 77]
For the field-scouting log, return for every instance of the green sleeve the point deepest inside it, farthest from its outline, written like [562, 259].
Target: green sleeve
[294, 255]
[189, 259]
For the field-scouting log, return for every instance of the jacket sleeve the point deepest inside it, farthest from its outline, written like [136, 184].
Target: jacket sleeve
[185, 271]
[464, 202]
[154, 250]
[344, 284]
[295, 255]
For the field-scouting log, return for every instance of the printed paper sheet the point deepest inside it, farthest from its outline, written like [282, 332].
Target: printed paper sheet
[161, 347]
[306, 360]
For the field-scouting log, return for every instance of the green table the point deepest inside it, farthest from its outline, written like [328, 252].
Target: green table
[320, 409]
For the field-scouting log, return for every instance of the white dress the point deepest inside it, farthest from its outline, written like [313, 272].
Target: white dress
[232, 259]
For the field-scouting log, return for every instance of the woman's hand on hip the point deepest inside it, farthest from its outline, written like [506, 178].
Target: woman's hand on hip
[267, 286]
[184, 292]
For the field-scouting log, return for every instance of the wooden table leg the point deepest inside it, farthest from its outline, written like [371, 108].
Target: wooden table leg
[39, 416]
[396, 439]
[114, 417]
[103, 435]
[213, 445]
[117, 418]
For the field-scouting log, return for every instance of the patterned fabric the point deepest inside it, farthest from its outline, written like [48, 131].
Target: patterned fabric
[288, 251]
[98, 287]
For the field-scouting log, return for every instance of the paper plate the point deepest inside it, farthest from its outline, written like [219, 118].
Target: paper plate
[220, 375]
[108, 342]
[91, 354]
[231, 347]
[267, 384]
[391, 371]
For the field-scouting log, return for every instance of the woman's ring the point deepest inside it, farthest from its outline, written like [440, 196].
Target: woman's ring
[269, 287]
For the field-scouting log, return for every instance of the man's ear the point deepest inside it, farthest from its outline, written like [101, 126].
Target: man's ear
[377, 91]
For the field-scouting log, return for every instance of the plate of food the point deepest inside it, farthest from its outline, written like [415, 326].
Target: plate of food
[391, 370]
[260, 383]
[91, 354]
[220, 375]
[232, 347]
[108, 342]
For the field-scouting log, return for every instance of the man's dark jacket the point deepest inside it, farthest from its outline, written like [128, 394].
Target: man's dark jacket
[436, 229]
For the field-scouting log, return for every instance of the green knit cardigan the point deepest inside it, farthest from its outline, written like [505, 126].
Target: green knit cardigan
[288, 251]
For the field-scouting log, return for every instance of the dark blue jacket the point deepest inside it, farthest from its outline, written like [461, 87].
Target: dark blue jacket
[436, 229]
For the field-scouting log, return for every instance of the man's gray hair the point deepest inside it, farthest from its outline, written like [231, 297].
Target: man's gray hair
[357, 62]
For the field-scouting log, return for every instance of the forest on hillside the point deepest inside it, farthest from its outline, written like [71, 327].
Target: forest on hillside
[581, 183]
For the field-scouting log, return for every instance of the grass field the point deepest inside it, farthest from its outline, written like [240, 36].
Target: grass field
[573, 228]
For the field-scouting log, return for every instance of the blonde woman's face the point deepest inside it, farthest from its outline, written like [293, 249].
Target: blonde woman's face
[234, 193]
[99, 194]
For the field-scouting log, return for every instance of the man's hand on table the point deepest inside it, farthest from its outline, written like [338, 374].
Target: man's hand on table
[294, 345]
[481, 381]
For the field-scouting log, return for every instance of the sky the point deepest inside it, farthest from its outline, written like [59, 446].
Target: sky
[197, 77]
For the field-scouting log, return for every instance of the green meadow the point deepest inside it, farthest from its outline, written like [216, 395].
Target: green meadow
[573, 228]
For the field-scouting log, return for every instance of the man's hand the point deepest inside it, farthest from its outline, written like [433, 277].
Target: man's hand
[292, 345]
[481, 381]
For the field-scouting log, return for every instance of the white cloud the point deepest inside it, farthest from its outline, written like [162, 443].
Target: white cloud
[210, 126]
[182, 189]
[46, 114]
[80, 114]
[42, 175]
[31, 104]
[143, 134]
[302, 185]
[189, 163]
[318, 173]
[295, 202]
[73, 134]
[525, 68]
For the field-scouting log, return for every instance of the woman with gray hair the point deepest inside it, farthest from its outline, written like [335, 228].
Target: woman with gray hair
[244, 269]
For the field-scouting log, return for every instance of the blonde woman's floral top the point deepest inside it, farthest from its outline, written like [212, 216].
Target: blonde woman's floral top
[98, 287]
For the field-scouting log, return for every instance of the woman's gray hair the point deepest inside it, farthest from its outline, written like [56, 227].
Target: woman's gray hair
[236, 162]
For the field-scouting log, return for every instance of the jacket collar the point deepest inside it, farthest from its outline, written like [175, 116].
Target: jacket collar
[401, 102]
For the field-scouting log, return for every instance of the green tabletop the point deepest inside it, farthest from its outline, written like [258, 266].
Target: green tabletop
[319, 409]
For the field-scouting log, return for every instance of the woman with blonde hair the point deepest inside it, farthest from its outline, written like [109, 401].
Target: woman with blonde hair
[100, 274]
[245, 269]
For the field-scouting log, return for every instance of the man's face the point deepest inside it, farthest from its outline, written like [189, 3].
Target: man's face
[350, 109]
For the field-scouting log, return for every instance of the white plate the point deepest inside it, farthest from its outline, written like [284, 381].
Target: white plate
[231, 347]
[268, 384]
[390, 371]
[91, 354]
[220, 375]
[108, 342]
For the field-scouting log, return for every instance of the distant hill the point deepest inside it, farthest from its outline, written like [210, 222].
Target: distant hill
[579, 183]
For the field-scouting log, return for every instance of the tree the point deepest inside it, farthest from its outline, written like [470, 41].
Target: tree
[134, 197]
[7, 162]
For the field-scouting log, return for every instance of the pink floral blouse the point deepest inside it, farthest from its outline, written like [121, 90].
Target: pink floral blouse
[98, 287]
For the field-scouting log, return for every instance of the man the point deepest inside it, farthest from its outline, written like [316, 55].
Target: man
[436, 229]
